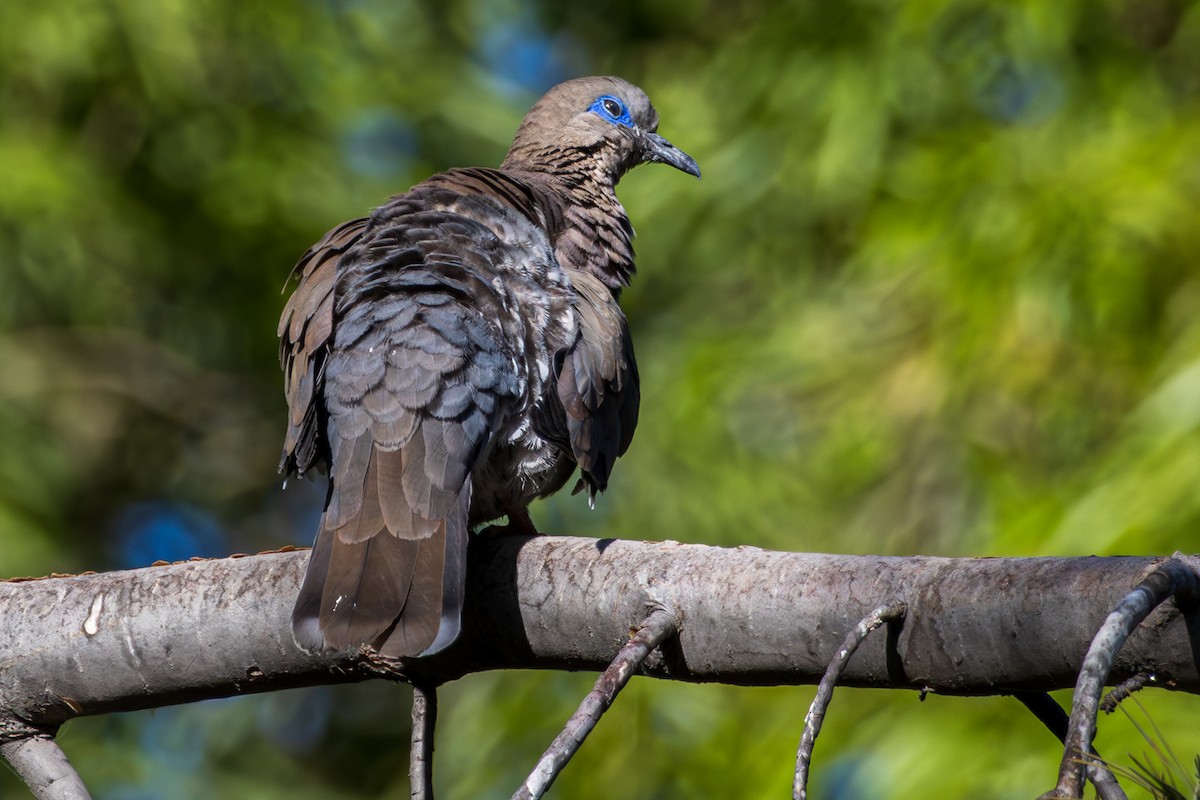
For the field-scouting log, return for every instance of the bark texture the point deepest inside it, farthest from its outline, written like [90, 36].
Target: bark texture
[92, 644]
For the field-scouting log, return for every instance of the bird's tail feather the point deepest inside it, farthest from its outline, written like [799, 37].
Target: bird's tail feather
[439, 583]
[402, 596]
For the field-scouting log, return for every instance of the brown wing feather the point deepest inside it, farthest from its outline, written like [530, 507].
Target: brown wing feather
[591, 405]
[305, 338]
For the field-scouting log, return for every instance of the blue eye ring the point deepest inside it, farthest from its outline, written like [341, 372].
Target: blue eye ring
[611, 109]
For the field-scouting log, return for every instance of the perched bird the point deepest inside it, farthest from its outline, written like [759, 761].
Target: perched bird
[455, 355]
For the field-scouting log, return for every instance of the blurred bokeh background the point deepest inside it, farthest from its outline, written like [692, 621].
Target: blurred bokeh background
[937, 293]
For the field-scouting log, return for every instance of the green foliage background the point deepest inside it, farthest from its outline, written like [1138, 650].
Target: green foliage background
[937, 293]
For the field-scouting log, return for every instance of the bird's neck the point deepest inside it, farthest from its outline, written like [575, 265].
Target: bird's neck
[588, 225]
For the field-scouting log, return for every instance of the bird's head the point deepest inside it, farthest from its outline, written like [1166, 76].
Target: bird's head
[603, 124]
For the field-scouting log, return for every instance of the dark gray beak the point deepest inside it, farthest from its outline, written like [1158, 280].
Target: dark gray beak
[659, 150]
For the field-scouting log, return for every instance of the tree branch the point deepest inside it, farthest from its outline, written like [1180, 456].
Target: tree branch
[420, 760]
[820, 704]
[93, 644]
[43, 766]
[1171, 578]
[1125, 689]
[1051, 714]
[657, 626]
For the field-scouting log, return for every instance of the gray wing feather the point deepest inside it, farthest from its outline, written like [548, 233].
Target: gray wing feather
[413, 376]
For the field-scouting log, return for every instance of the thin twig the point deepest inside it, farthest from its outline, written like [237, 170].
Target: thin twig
[420, 755]
[658, 626]
[1170, 578]
[41, 763]
[820, 703]
[1125, 689]
[1052, 715]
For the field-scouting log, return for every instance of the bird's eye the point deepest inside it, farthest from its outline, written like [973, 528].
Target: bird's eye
[612, 109]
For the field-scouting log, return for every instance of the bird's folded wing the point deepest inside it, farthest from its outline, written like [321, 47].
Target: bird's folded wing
[305, 338]
[590, 407]
[414, 382]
